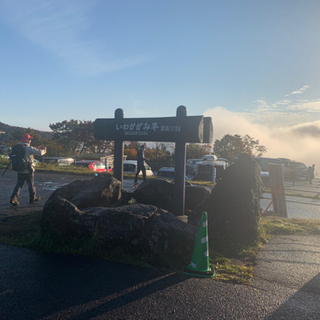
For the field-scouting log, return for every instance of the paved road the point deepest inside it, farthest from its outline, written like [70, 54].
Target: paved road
[35, 285]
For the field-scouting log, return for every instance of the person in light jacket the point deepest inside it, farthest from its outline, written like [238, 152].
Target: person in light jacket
[28, 174]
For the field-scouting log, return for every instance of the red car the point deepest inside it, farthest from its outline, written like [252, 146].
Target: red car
[97, 166]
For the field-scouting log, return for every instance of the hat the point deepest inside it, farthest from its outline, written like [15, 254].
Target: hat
[26, 138]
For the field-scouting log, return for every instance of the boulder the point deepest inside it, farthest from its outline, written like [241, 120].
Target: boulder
[136, 229]
[100, 191]
[195, 195]
[160, 193]
[233, 207]
[156, 192]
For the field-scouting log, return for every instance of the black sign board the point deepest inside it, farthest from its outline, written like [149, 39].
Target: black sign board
[196, 129]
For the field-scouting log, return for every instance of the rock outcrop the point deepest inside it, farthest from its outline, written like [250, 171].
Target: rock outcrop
[160, 193]
[136, 229]
[233, 207]
[100, 191]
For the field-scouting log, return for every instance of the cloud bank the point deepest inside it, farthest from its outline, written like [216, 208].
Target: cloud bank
[297, 142]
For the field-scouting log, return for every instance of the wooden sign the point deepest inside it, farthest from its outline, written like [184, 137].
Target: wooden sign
[195, 129]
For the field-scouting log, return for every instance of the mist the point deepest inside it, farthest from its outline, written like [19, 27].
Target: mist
[299, 142]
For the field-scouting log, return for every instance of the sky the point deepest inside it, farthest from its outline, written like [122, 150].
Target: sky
[253, 66]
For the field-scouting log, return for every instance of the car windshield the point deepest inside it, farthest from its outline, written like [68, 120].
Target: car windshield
[99, 165]
[274, 161]
[298, 165]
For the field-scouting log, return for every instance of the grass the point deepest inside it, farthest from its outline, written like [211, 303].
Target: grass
[233, 263]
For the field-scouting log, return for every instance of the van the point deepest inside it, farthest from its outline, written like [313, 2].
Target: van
[294, 170]
[264, 162]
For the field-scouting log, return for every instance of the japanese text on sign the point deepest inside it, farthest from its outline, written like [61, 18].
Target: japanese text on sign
[142, 129]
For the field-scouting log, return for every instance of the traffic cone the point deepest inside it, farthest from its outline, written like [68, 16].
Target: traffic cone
[199, 265]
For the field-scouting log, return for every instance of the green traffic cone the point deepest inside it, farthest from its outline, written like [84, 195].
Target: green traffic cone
[199, 265]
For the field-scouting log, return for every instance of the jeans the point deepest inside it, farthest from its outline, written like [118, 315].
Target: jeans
[143, 169]
[29, 178]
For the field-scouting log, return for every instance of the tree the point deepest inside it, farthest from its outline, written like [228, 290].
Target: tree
[77, 136]
[232, 146]
[252, 146]
[64, 133]
[197, 151]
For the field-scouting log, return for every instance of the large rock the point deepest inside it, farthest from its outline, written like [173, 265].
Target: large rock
[233, 207]
[135, 229]
[160, 193]
[100, 191]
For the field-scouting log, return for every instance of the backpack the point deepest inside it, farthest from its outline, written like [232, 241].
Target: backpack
[17, 159]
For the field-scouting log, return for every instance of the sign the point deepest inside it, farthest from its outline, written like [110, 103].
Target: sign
[196, 129]
[180, 129]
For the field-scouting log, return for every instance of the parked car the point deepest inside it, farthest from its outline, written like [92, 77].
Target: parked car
[191, 166]
[94, 165]
[130, 167]
[166, 172]
[209, 157]
[60, 161]
[204, 166]
[294, 170]
[264, 162]
[97, 166]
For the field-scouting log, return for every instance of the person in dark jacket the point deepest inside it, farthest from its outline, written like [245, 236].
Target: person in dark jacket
[140, 166]
[311, 173]
[28, 174]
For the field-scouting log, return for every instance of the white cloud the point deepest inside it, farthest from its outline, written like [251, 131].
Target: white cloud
[284, 112]
[298, 91]
[59, 27]
[298, 142]
[306, 106]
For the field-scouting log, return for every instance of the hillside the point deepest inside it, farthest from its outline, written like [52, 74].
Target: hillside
[9, 130]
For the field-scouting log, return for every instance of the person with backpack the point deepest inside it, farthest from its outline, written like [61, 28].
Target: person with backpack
[21, 158]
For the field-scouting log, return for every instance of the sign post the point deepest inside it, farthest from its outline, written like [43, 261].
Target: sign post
[180, 129]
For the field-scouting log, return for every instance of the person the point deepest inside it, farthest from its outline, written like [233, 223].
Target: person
[140, 166]
[27, 175]
[311, 173]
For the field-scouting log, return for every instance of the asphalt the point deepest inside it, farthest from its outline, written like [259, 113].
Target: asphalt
[38, 285]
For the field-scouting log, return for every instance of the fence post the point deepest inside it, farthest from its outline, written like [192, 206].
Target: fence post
[277, 190]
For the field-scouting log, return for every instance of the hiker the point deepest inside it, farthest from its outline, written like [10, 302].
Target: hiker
[311, 173]
[22, 161]
[140, 166]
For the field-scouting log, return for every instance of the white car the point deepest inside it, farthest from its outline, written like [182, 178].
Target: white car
[130, 167]
[191, 166]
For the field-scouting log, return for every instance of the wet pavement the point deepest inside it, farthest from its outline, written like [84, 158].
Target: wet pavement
[37, 285]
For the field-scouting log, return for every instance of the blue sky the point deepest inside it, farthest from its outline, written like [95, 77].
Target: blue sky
[256, 62]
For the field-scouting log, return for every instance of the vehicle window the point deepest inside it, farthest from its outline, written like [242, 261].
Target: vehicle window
[298, 165]
[129, 167]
